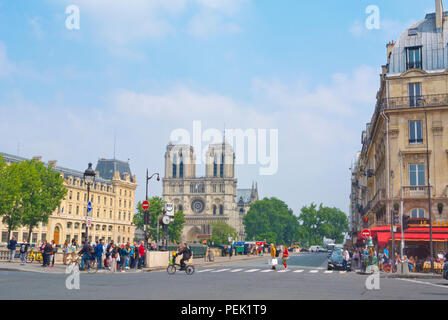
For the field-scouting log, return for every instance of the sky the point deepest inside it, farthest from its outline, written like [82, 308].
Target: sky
[137, 70]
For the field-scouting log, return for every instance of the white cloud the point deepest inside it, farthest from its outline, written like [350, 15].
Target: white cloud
[36, 27]
[6, 66]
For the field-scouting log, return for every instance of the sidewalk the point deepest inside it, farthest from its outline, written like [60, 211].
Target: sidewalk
[60, 269]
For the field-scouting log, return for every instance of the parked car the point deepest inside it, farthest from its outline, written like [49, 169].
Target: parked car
[335, 260]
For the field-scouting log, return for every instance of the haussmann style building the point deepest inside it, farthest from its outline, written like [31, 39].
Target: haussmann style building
[112, 196]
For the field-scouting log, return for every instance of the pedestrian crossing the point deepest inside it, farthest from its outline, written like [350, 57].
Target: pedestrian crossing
[278, 270]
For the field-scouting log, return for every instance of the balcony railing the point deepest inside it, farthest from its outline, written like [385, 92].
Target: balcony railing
[414, 102]
[379, 196]
[415, 191]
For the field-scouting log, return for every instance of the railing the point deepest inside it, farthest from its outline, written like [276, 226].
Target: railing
[379, 196]
[414, 102]
[415, 191]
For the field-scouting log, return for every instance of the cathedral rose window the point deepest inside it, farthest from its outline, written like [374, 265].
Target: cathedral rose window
[197, 206]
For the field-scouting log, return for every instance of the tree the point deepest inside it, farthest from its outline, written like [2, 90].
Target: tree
[43, 190]
[155, 210]
[10, 195]
[175, 228]
[271, 219]
[221, 232]
[317, 223]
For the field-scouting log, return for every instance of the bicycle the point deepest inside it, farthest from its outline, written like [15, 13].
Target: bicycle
[31, 256]
[172, 268]
[89, 264]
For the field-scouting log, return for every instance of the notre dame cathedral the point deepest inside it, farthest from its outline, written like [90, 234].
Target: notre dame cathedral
[209, 199]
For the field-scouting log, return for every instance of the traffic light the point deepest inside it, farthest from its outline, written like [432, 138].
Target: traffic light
[366, 221]
[405, 222]
[146, 218]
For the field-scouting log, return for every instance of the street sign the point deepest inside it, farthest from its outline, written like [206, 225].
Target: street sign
[166, 220]
[89, 206]
[145, 205]
[169, 209]
[89, 222]
[366, 233]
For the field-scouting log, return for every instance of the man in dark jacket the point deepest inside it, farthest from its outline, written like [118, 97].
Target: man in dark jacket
[99, 253]
[23, 249]
[48, 249]
[186, 255]
[85, 253]
[12, 248]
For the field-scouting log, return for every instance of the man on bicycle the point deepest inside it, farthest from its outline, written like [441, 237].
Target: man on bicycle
[87, 252]
[186, 255]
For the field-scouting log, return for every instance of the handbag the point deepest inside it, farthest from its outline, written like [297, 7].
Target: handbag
[274, 261]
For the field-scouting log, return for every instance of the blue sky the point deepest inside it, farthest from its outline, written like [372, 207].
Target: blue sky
[143, 68]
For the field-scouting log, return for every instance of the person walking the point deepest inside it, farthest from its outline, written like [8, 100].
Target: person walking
[285, 256]
[23, 249]
[48, 249]
[65, 252]
[12, 245]
[230, 251]
[42, 251]
[141, 253]
[53, 253]
[99, 254]
[113, 258]
[273, 256]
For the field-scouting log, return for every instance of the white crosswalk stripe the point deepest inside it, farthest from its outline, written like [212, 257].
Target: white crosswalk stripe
[236, 270]
[342, 271]
[284, 270]
[221, 270]
[298, 271]
[314, 271]
[252, 270]
[205, 270]
[268, 270]
[329, 271]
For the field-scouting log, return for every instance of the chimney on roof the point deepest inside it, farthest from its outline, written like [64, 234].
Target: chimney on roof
[439, 15]
[52, 163]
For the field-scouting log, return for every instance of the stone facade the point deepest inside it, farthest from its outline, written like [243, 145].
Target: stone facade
[112, 196]
[412, 100]
[204, 200]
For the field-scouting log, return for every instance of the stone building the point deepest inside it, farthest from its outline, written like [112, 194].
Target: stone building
[208, 199]
[112, 196]
[406, 138]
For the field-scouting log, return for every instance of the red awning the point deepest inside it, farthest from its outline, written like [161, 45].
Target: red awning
[383, 234]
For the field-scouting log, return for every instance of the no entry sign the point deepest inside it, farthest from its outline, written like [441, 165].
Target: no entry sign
[145, 205]
[365, 233]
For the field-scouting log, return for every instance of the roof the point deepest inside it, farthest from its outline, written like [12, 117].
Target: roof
[244, 195]
[106, 168]
[433, 43]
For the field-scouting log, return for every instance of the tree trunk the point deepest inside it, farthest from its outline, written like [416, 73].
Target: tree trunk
[29, 233]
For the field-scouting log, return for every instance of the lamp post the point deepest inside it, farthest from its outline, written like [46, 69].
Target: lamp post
[89, 173]
[422, 101]
[147, 211]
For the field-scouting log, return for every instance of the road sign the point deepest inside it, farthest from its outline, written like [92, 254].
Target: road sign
[88, 222]
[166, 220]
[169, 209]
[145, 205]
[366, 233]
[89, 206]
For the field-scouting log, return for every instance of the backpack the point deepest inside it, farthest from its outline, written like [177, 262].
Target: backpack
[277, 253]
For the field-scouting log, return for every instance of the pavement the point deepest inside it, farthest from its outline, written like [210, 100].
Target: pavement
[241, 278]
[60, 269]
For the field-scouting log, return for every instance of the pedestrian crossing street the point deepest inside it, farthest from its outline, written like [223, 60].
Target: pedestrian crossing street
[257, 270]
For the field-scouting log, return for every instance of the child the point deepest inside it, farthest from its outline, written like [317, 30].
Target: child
[285, 256]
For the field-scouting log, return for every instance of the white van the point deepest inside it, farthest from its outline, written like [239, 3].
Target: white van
[315, 248]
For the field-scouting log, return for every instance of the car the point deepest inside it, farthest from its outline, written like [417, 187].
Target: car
[317, 249]
[335, 260]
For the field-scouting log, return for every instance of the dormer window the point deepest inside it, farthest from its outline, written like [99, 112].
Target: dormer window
[414, 58]
[412, 32]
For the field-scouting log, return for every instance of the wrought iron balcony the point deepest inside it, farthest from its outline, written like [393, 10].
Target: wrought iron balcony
[434, 100]
[415, 191]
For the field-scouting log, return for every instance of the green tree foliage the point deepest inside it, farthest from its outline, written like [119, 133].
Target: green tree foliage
[10, 195]
[43, 191]
[29, 193]
[317, 223]
[221, 232]
[175, 228]
[271, 219]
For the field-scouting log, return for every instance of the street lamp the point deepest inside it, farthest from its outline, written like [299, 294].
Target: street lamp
[147, 212]
[90, 174]
[422, 101]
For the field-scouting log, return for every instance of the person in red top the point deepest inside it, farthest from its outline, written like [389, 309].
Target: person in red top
[285, 256]
[141, 253]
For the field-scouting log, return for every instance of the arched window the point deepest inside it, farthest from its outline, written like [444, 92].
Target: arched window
[181, 166]
[417, 214]
[174, 166]
[180, 208]
[221, 166]
[215, 166]
[221, 210]
[214, 210]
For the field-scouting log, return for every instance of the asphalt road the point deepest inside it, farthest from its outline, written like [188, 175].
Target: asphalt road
[306, 278]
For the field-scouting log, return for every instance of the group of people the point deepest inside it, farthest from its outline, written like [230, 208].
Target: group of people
[112, 256]
[275, 253]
